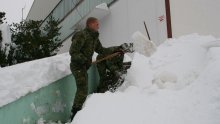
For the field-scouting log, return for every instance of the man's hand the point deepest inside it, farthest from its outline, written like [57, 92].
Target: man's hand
[127, 47]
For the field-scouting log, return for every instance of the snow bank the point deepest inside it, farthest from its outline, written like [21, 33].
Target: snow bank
[177, 63]
[19, 80]
[178, 84]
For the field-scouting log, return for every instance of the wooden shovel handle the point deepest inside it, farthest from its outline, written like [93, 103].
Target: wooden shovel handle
[106, 58]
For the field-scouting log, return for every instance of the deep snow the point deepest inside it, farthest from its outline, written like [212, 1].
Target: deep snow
[178, 84]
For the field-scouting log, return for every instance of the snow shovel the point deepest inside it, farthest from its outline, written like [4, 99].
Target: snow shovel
[142, 44]
[128, 48]
[107, 57]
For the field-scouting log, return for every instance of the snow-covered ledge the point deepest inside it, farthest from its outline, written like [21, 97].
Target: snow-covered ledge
[37, 89]
[18, 80]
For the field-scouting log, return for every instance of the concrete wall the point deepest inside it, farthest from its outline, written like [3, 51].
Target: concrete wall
[200, 16]
[52, 103]
[126, 17]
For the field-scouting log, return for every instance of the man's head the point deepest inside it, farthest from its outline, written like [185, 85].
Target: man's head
[92, 23]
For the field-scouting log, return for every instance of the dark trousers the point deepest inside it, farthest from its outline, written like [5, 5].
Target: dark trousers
[81, 78]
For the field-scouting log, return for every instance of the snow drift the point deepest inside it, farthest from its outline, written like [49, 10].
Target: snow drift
[178, 84]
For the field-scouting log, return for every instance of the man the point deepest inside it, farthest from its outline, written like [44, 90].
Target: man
[84, 44]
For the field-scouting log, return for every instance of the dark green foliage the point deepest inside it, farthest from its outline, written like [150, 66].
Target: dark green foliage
[3, 58]
[0, 36]
[2, 18]
[31, 40]
[3, 61]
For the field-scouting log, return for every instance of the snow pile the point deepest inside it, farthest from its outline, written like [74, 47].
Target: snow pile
[178, 84]
[175, 61]
[19, 80]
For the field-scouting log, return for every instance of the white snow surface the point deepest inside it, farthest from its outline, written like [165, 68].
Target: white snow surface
[142, 45]
[18, 80]
[178, 84]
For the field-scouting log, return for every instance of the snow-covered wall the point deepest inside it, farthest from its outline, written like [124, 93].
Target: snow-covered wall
[191, 16]
[43, 88]
[52, 102]
[19, 80]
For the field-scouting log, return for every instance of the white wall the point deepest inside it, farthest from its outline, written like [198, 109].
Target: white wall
[66, 46]
[41, 9]
[126, 17]
[195, 16]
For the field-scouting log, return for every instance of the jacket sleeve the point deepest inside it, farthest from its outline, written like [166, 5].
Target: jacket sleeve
[102, 50]
[75, 49]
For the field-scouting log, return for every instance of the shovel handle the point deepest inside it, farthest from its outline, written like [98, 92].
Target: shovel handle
[106, 58]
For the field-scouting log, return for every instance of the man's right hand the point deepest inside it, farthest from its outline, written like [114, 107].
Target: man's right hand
[127, 47]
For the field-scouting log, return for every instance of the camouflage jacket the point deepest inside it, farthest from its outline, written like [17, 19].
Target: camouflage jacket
[84, 43]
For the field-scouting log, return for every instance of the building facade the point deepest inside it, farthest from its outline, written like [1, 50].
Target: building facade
[195, 16]
[119, 19]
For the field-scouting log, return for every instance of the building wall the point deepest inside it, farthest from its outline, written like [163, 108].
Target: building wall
[66, 46]
[126, 17]
[41, 8]
[195, 16]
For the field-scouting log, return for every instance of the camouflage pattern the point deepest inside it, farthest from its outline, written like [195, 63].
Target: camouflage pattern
[81, 78]
[84, 44]
[107, 71]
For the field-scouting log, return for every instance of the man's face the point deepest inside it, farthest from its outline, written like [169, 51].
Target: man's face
[95, 26]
